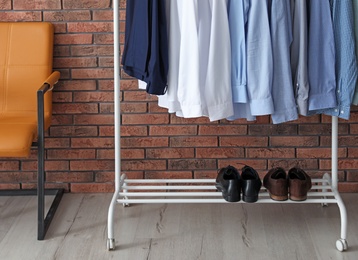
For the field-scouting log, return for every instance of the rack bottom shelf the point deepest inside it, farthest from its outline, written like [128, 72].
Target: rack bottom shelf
[133, 191]
[204, 191]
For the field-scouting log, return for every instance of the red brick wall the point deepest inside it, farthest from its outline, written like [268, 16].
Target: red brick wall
[80, 143]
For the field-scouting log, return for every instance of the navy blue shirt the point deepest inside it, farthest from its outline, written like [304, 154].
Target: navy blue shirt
[145, 55]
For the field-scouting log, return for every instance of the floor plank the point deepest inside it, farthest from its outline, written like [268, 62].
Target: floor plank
[176, 231]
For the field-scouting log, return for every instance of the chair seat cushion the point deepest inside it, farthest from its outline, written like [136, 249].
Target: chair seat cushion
[16, 139]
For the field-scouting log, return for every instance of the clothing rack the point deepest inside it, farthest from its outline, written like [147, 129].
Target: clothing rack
[323, 191]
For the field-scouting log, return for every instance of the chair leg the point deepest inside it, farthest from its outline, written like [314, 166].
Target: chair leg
[42, 222]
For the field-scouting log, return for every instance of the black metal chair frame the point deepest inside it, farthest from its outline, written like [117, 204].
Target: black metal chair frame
[43, 222]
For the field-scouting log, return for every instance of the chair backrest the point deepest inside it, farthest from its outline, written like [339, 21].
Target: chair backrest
[26, 57]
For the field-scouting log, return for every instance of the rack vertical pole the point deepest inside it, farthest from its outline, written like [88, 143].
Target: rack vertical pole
[117, 125]
[334, 159]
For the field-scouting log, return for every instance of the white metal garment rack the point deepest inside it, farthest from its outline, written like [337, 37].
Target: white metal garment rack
[128, 191]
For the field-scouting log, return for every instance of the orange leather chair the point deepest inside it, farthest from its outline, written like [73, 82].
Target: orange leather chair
[26, 83]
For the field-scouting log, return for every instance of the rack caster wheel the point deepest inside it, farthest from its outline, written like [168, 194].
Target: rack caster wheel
[110, 244]
[341, 245]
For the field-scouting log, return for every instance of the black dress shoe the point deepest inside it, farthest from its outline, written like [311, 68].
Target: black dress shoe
[228, 182]
[251, 184]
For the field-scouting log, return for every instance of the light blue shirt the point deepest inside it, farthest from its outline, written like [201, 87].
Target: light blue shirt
[281, 37]
[238, 11]
[321, 57]
[346, 61]
[355, 13]
[259, 58]
[299, 54]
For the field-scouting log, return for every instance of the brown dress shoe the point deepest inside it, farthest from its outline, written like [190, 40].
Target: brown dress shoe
[276, 182]
[299, 184]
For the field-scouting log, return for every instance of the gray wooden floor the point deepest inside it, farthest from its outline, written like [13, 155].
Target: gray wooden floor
[177, 231]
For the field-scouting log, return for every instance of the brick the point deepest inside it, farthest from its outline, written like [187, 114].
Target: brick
[9, 166]
[348, 187]
[257, 164]
[144, 119]
[94, 119]
[106, 131]
[65, 73]
[106, 108]
[307, 120]
[36, 4]
[270, 152]
[295, 141]
[91, 50]
[131, 142]
[5, 5]
[319, 152]
[19, 16]
[61, 131]
[205, 174]
[73, 15]
[180, 120]
[134, 130]
[75, 108]
[133, 107]
[269, 130]
[63, 97]
[154, 108]
[170, 153]
[49, 165]
[143, 165]
[106, 154]
[71, 154]
[75, 62]
[12, 177]
[106, 84]
[72, 85]
[92, 142]
[61, 51]
[74, 27]
[105, 62]
[352, 175]
[48, 185]
[92, 73]
[191, 141]
[87, 96]
[169, 175]
[92, 187]
[172, 130]
[69, 177]
[353, 152]
[103, 38]
[245, 141]
[320, 129]
[191, 164]
[103, 15]
[350, 164]
[222, 130]
[139, 95]
[60, 27]
[104, 176]
[342, 140]
[9, 186]
[86, 4]
[218, 152]
[353, 129]
[92, 165]
[61, 119]
[306, 164]
[57, 142]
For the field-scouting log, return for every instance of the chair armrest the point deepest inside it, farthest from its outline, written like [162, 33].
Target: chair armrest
[52, 79]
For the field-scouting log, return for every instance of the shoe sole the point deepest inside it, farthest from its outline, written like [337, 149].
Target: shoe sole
[250, 199]
[298, 198]
[278, 198]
